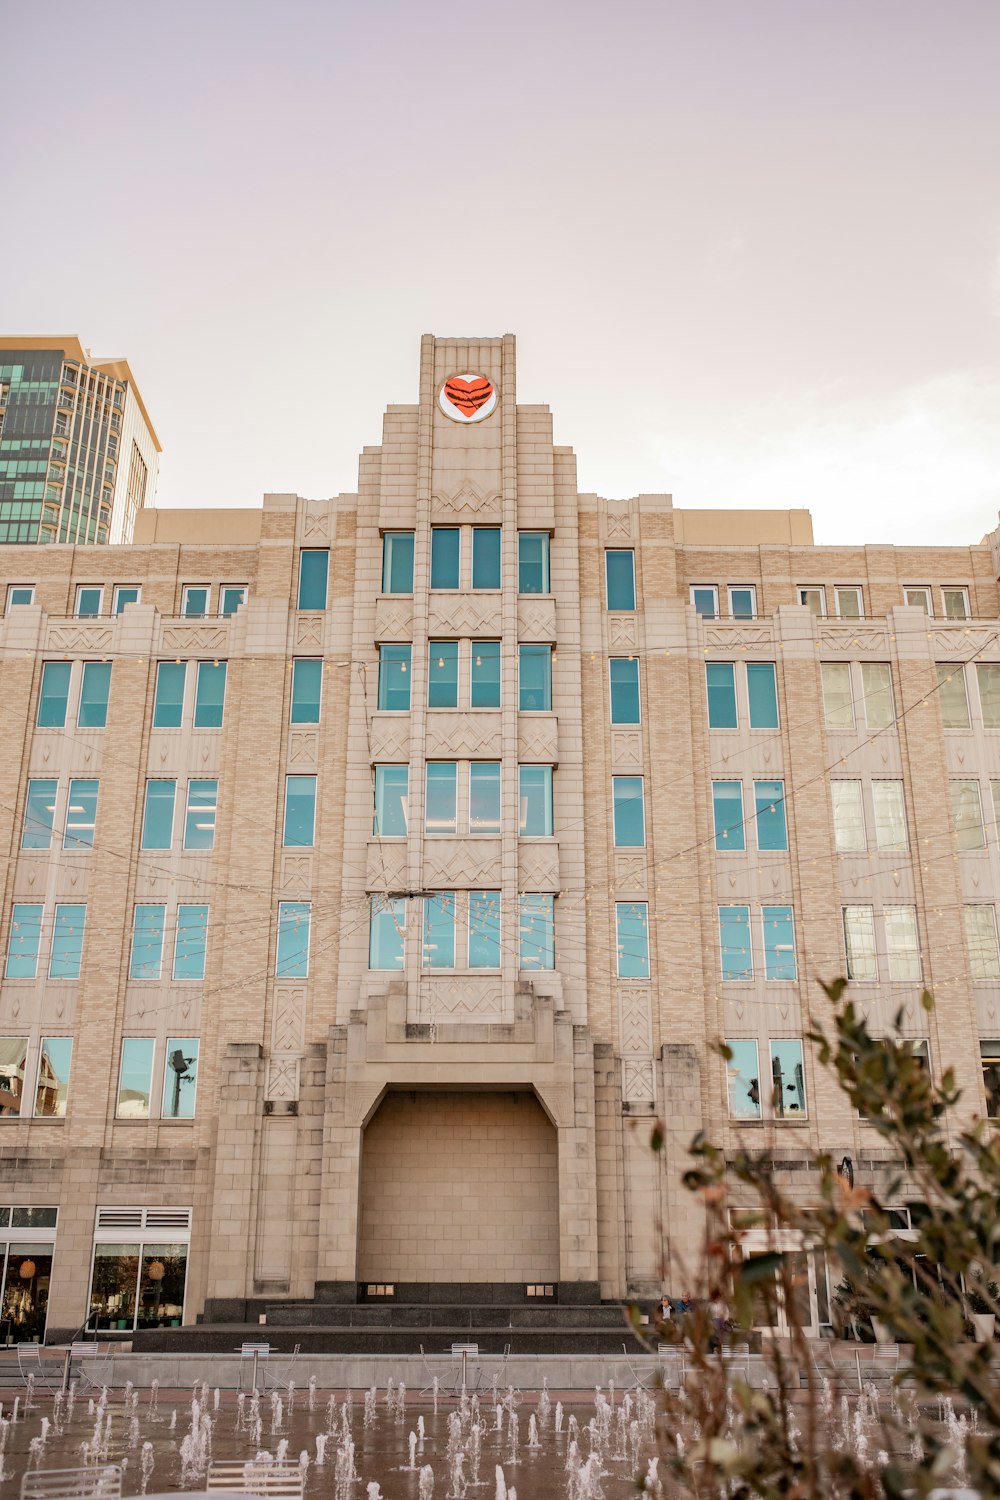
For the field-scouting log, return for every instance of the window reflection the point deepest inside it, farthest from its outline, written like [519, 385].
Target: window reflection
[13, 1051]
[53, 1075]
[26, 1291]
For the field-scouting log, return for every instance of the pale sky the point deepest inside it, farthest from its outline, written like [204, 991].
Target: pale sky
[750, 248]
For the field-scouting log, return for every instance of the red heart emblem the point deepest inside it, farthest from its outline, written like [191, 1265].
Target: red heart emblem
[468, 395]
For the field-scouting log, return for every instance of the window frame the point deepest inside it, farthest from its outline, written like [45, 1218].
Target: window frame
[305, 584]
[704, 588]
[116, 605]
[17, 588]
[928, 596]
[88, 588]
[630, 589]
[545, 563]
[224, 589]
[191, 588]
[857, 590]
[817, 591]
[955, 588]
[388, 563]
[742, 588]
[613, 719]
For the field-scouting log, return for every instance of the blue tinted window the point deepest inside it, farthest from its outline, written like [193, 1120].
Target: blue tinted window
[307, 689]
[734, 942]
[445, 556]
[39, 811]
[624, 677]
[721, 679]
[158, 815]
[95, 685]
[769, 800]
[199, 821]
[534, 814]
[779, 943]
[439, 931]
[620, 575]
[81, 813]
[394, 677]
[300, 812]
[534, 678]
[441, 802]
[484, 929]
[629, 813]
[484, 796]
[632, 925]
[67, 942]
[387, 932]
[292, 960]
[25, 937]
[191, 941]
[486, 557]
[168, 704]
[442, 674]
[180, 1078]
[147, 942]
[727, 810]
[210, 697]
[397, 562]
[391, 794]
[533, 562]
[762, 695]
[485, 677]
[313, 570]
[537, 932]
[54, 694]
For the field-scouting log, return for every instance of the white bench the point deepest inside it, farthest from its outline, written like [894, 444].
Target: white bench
[101, 1483]
[235, 1477]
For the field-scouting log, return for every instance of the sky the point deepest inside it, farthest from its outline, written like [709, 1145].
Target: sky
[750, 248]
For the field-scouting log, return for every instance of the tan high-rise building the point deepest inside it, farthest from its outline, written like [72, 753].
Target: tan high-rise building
[380, 867]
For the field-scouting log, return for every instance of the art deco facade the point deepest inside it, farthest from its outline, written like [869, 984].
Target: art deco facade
[379, 867]
[78, 454]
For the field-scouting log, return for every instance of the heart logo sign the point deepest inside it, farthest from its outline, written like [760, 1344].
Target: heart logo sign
[468, 398]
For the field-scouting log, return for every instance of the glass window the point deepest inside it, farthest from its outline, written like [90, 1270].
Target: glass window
[814, 600]
[788, 1080]
[445, 557]
[848, 816]
[901, 942]
[231, 596]
[534, 674]
[705, 599]
[190, 942]
[988, 676]
[147, 942]
[392, 788]
[762, 694]
[624, 679]
[838, 702]
[81, 814]
[442, 674]
[632, 928]
[619, 574]
[995, 792]
[54, 694]
[158, 815]
[54, 1063]
[95, 685]
[534, 793]
[67, 942]
[199, 820]
[629, 812]
[734, 942]
[727, 813]
[890, 814]
[484, 796]
[194, 600]
[168, 703]
[720, 677]
[849, 603]
[25, 937]
[990, 1053]
[299, 830]
[180, 1078]
[89, 598]
[20, 593]
[13, 1056]
[981, 939]
[292, 953]
[537, 947]
[769, 803]
[779, 943]
[314, 567]
[387, 932]
[441, 805]
[486, 557]
[743, 602]
[161, 1286]
[113, 1288]
[743, 1079]
[485, 675]
[210, 695]
[966, 813]
[307, 690]
[918, 598]
[859, 936]
[484, 929]
[135, 1078]
[439, 930]
[956, 604]
[397, 562]
[394, 678]
[125, 593]
[952, 695]
[876, 690]
[39, 811]
[533, 562]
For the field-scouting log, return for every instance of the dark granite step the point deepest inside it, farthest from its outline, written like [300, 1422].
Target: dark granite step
[215, 1339]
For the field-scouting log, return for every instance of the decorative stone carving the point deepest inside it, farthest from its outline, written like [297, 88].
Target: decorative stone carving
[282, 1079]
[638, 1086]
[538, 867]
[622, 632]
[626, 747]
[538, 739]
[960, 642]
[190, 640]
[458, 735]
[630, 872]
[536, 619]
[79, 637]
[288, 1026]
[739, 638]
[460, 997]
[309, 632]
[635, 1018]
[466, 496]
[848, 640]
[458, 863]
[316, 522]
[386, 866]
[458, 615]
[393, 620]
[303, 746]
[390, 738]
[618, 518]
[296, 872]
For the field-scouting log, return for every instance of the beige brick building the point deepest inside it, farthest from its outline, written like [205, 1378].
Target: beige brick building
[379, 867]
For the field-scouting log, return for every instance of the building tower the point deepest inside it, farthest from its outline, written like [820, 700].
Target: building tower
[78, 453]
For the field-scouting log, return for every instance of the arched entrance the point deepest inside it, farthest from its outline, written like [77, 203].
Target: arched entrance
[459, 1187]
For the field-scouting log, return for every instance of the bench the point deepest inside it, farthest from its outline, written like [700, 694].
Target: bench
[235, 1477]
[101, 1483]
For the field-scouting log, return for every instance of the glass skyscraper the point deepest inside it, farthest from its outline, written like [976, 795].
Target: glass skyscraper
[78, 453]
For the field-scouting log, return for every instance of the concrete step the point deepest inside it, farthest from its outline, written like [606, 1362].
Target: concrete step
[424, 1316]
[215, 1339]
